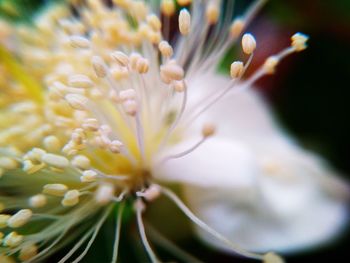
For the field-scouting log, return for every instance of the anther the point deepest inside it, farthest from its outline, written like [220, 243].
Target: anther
[178, 85]
[77, 101]
[139, 205]
[142, 66]
[37, 201]
[184, 2]
[13, 239]
[55, 189]
[80, 81]
[3, 220]
[79, 42]
[88, 176]
[8, 163]
[81, 162]
[236, 28]
[154, 22]
[152, 192]
[299, 41]
[270, 64]
[134, 58]
[28, 252]
[184, 22]
[165, 49]
[208, 130]
[236, 69]
[121, 58]
[167, 7]
[212, 13]
[248, 43]
[55, 160]
[99, 66]
[128, 94]
[52, 143]
[90, 124]
[20, 218]
[115, 146]
[272, 258]
[71, 198]
[130, 107]
[172, 71]
[104, 193]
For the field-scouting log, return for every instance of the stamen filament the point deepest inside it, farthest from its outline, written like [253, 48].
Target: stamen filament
[117, 232]
[172, 196]
[142, 232]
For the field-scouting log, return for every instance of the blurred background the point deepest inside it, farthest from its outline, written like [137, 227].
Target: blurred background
[310, 94]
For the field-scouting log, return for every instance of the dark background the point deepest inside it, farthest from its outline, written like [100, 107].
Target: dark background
[310, 94]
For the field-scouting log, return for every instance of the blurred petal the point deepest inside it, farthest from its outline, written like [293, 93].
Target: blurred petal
[216, 163]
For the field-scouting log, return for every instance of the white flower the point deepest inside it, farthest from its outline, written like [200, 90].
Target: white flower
[277, 195]
[104, 106]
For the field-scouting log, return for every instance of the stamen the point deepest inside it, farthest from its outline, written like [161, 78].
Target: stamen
[140, 206]
[20, 218]
[71, 198]
[94, 235]
[37, 201]
[207, 131]
[184, 22]
[117, 232]
[237, 249]
[248, 43]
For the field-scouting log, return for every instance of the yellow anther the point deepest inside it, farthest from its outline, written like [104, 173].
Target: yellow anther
[168, 7]
[134, 58]
[154, 22]
[237, 27]
[55, 189]
[104, 193]
[172, 71]
[28, 252]
[37, 201]
[142, 66]
[88, 176]
[178, 85]
[8, 163]
[77, 101]
[270, 64]
[248, 43]
[80, 81]
[71, 198]
[208, 130]
[13, 239]
[272, 258]
[165, 49]
[184, 2]
[184, 22]
[121, 58]
[79, 42]
[299, 41]
[3, 220]
[81, 162]
[20, 218]
[212, 13]
[99, 66]
[52, 143]
[236, 69]
[57, 161]
[90, 124]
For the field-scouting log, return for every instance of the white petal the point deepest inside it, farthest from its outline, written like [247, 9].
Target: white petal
[216, 163]
[291, 209]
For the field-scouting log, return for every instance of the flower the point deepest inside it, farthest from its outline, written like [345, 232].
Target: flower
[103, 106]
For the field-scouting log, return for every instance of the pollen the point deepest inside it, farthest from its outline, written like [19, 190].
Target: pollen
[13, 239]
[57, 161]
[184, 22]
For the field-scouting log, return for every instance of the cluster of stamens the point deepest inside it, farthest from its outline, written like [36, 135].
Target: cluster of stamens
[102, 122]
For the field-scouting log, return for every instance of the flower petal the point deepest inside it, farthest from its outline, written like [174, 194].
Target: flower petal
[216, 163]
[290, 211]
